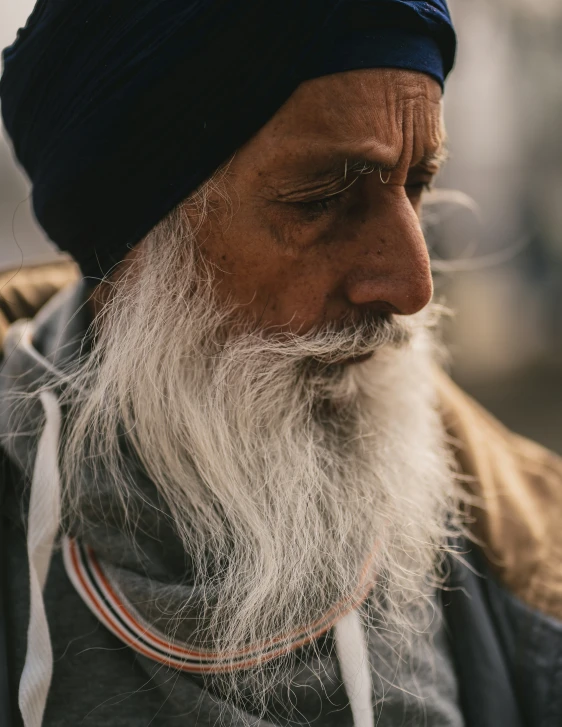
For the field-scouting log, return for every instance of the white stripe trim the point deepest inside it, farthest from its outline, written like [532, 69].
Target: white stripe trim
[122, 620]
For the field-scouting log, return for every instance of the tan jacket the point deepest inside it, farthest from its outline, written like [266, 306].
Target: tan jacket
[513, 486]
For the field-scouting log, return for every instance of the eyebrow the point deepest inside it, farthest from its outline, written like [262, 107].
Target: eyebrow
[431, 161]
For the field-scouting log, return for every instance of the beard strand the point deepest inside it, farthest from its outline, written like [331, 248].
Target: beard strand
[282, 470]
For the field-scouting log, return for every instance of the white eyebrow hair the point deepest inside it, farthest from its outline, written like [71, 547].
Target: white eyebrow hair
[362, 165]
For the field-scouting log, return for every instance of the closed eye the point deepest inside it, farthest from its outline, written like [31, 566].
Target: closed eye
[327, 203]
[322, 205]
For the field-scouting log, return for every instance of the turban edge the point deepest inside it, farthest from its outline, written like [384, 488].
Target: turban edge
[119, 109]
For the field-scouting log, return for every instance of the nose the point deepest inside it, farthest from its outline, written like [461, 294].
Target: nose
[391, 268]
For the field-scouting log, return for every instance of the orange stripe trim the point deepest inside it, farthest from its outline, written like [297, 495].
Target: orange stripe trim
[325, 622]
[338, 611]
[122, 635]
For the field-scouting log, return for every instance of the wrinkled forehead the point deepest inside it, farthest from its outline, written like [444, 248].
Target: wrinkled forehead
[382, 116]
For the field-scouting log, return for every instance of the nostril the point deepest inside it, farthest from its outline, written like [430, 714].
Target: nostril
[367, 316]
[383, 306]
[397, 294]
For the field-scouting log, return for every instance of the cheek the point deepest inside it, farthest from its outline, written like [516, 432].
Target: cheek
[265, 267]
[294, 233]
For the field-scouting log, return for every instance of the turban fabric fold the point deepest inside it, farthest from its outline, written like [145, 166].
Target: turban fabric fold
[119, 109]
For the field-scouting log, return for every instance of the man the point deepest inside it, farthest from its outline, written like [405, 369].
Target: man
[237, 488]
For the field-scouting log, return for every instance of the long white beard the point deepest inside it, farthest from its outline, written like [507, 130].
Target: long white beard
[283, 472]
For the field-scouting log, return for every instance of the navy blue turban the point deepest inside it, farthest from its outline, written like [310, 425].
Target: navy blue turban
[119, 109]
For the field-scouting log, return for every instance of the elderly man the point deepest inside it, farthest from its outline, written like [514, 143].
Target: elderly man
[237, 489]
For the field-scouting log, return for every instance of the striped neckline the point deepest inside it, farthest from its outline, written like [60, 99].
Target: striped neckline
[101, 594]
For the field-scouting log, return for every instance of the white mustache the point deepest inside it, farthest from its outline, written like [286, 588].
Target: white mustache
[329, 345]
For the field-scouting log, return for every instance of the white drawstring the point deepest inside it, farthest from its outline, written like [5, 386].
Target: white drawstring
[43, 525]
[351, 649]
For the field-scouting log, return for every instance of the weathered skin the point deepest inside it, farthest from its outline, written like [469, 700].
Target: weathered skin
[295, 261]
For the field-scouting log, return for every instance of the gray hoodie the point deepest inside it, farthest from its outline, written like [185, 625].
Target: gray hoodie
[99, 677]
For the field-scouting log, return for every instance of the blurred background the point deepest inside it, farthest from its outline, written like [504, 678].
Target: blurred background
[499, 239]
